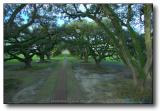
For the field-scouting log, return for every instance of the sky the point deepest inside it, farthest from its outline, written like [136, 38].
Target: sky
[25, 17]
[60, 21]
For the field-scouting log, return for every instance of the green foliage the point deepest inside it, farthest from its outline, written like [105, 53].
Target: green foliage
[136, 55]
[90, 40]
[33, 37]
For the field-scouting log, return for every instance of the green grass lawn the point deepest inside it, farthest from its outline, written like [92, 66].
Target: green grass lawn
[69, 57]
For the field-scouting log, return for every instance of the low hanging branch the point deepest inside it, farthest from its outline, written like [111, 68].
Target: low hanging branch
[14, 14]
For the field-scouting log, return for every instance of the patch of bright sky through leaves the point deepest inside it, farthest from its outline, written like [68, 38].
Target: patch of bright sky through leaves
[60, 21]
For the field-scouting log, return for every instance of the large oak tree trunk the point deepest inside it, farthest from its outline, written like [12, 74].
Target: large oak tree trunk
[85, 55]
[41, 58]
[48, 57]
[81, 56]
[48, 54]
[148, 39]
[138, 70]
[27, 63]
[98, 61]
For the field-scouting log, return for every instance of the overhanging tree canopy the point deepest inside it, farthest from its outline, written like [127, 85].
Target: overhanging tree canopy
[139, 66]
[124, 28]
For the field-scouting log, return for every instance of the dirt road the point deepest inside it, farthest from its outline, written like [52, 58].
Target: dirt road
[60, 93]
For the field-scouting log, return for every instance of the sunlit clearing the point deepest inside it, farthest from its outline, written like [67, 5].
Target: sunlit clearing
[66, 52]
